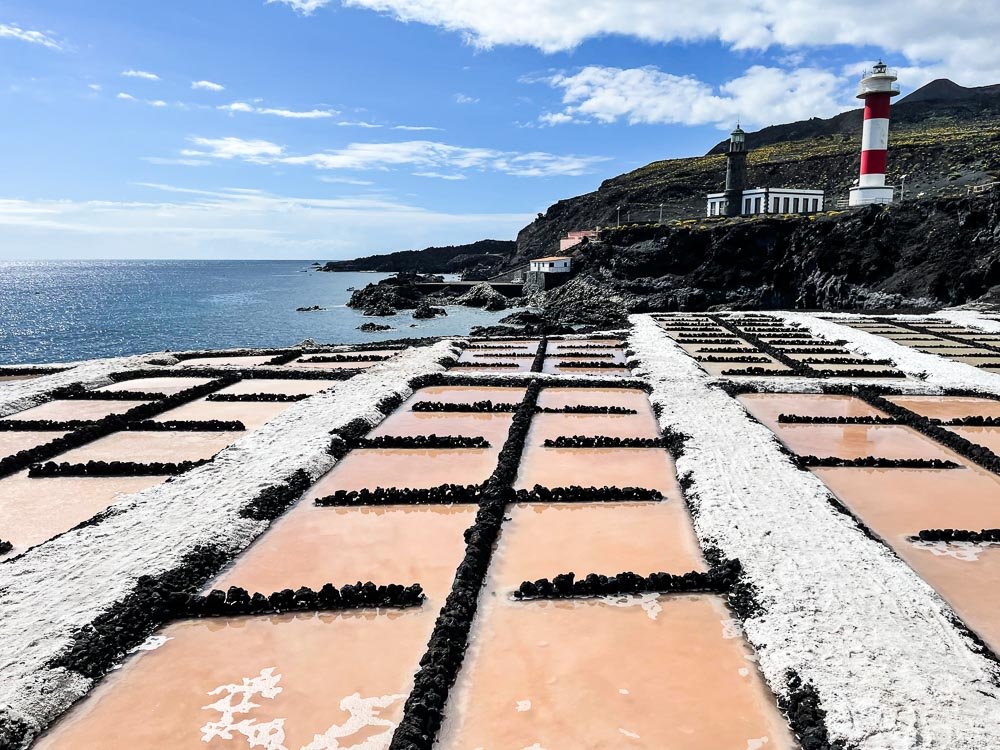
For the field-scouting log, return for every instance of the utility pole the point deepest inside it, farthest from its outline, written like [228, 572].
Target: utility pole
[902, 186]
[660, 221]
[619, 216]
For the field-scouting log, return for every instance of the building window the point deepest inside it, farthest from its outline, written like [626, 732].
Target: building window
[815, 205]
[787, 200]
[756, 205]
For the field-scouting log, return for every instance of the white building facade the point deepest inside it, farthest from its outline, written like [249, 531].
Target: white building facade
[760, 201]
[553, 264]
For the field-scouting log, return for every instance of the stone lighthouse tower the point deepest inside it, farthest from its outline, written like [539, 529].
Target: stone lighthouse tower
[736, 172]
[876, 88]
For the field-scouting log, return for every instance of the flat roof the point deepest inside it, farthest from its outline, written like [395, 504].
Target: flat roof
[554, 257]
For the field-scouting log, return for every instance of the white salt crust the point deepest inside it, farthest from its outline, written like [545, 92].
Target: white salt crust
[934, 372]
[62, 585]
[971, 318]
[877, 642]
[23, 394]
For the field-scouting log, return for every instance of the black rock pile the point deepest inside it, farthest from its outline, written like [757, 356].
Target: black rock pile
[238, 601]
[446, 494]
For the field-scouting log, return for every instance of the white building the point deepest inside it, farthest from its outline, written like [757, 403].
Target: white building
[553, 264]
[770, 201]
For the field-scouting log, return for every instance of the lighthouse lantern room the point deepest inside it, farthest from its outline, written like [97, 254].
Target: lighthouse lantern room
[876, 88]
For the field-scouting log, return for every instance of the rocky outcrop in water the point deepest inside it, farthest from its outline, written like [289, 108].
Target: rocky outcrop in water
[425, 311]
[390, 295]
[484, 296]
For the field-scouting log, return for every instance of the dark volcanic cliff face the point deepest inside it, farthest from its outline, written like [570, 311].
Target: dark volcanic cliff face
[921, 253]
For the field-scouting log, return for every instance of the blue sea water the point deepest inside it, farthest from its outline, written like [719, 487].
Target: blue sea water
[67, 310]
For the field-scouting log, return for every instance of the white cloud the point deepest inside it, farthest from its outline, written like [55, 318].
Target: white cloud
[415, 128]
[463, 99]
[158, 103]
[343, 180]
[439, 176]
[358, 124]
[94, 86]
[159, 160]
[425, 156]
[649, 96]
[302, 6]
[236, 107]
[313, 114]
[145, 75]
[184, 222]
[13, 31]
[234, 148]
[958, 37]
[207, 86]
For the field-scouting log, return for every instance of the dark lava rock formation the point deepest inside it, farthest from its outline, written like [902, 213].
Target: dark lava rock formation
[390, 295]
[913, 254]
[465, 259]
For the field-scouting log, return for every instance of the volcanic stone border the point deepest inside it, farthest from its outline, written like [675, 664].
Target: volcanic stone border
[439, 667]
[985, 536]
[875, 462]
[238, 601]
[348, 358]
[13, 372]
[539, 361]
[574, 494]
[476, 407]
[446, 494]
[598, 365]
[718, 580]
[43, 425]
[585, 409]
[492, 365]
[601, 441]
[810, 419]
[262, 372]
[78, 393]
[278, 398]
[114, 469]
[422, 442]
[186, 425]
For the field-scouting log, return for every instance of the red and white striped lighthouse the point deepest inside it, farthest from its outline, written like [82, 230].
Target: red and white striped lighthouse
[876, 88]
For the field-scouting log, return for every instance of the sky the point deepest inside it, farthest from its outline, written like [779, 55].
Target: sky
[328, 129]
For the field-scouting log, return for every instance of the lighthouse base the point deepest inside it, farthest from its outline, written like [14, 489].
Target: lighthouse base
[862, 196]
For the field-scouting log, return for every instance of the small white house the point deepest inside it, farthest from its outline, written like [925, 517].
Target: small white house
[554, 264]
[770, 201]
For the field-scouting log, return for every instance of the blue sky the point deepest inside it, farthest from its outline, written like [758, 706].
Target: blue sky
[335, 128]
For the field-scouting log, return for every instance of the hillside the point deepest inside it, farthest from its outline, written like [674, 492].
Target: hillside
[943, 137]
[930, 252]
[450, 259]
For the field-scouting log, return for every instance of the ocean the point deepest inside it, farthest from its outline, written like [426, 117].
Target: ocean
[68, 310]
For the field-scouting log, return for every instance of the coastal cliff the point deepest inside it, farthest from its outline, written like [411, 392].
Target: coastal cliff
[939, 246]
